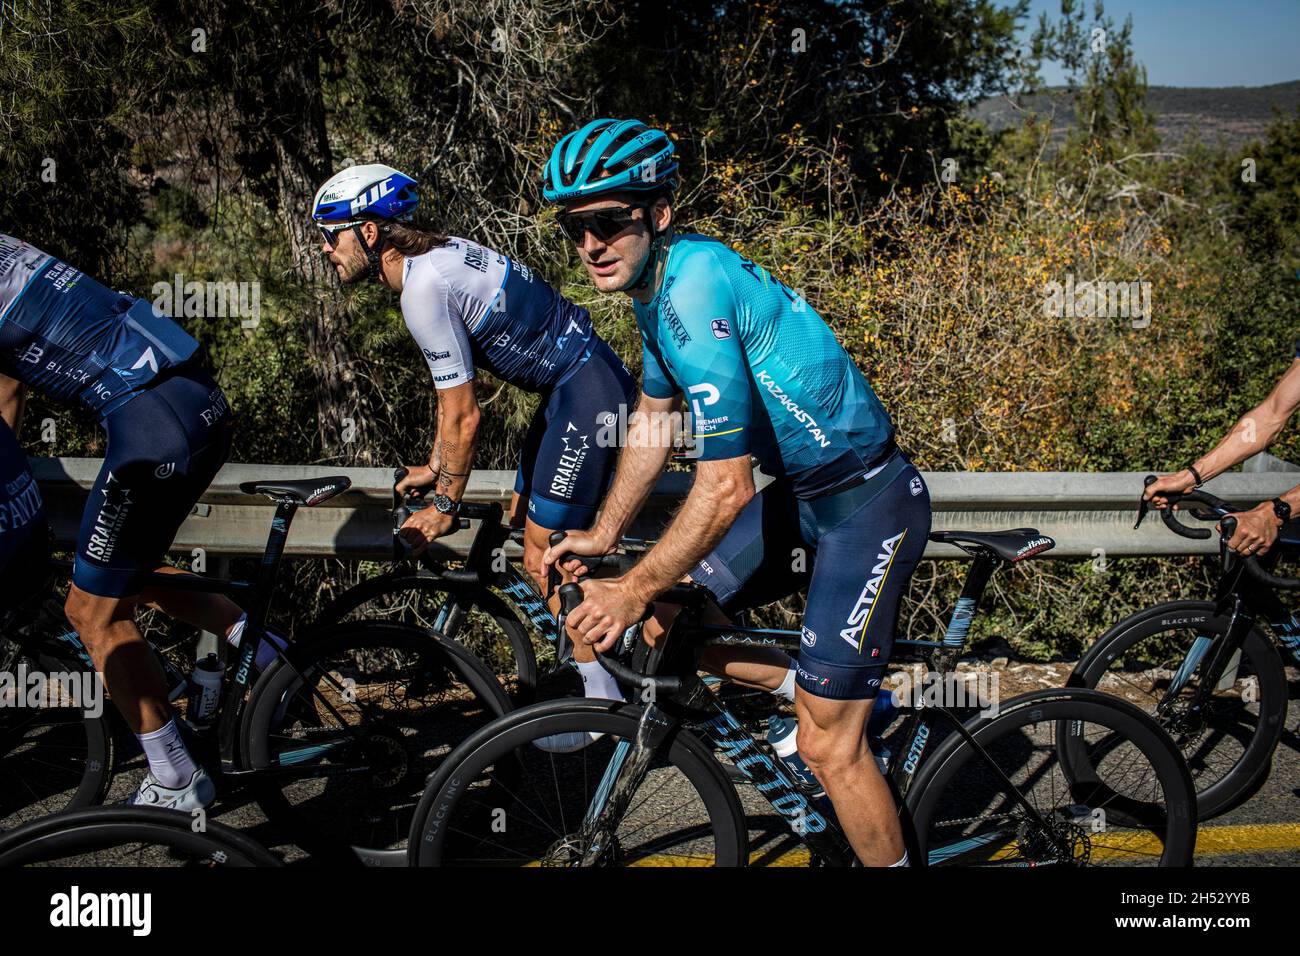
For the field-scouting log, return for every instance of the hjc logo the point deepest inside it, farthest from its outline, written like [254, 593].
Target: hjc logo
[372, 195]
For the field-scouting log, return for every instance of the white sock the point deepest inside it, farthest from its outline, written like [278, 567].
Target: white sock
[169, 761]
[598, 682]
[902, 862]
[786, 690]
[266, 652]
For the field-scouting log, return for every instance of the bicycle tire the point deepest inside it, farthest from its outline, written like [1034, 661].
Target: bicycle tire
[1067, 711]
[86, 779]
[1215, 793]
[508, 738]
[377, 810]
[396, 582]
[85, 832]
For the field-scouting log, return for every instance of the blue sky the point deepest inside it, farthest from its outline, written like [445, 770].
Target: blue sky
[1203, 42]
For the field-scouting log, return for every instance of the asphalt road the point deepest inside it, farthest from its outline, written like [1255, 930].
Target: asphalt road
[1263, 831]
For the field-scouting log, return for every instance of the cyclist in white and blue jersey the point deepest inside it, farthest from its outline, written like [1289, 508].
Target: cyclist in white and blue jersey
[764, 376]
[168, 429]
[469, 307]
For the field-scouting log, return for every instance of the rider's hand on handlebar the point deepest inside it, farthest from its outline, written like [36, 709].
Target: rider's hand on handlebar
[609, 607]
[1256, 531]
[1180, 483]
[418, 478]
[422, 527]
[579, 543]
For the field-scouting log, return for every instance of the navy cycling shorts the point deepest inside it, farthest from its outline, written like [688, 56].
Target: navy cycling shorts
[24, 533]
[164, 448]
[565, 466]
[854, 550]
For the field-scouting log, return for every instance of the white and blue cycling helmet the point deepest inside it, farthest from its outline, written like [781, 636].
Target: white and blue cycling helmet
[372, 192]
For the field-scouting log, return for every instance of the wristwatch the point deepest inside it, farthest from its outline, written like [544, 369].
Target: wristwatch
[446, 505]
[1282, 510]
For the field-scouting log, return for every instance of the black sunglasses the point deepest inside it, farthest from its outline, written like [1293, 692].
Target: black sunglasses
[604, 224]
[331, 233]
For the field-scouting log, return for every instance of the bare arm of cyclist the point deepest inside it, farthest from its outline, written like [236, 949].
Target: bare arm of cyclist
[1254, 432]
[449, 467]
[721, 490]
[12, 394]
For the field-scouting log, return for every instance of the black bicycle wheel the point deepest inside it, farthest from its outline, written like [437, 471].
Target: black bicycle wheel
[1126, 799]
[129, 836]
[1228, 745]
[350, 777]
[52, 758]
[482, 620]
[499, 800]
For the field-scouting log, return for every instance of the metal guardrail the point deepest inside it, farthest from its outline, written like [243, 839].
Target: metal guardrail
[1087, 513]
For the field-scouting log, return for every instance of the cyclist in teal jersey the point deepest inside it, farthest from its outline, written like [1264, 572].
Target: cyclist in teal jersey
[764, 376]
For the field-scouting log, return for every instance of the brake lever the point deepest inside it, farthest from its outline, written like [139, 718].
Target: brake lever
[1144, 505]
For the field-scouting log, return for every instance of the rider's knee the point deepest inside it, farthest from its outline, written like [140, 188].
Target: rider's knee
[827, 752]
[89, 614]
[83, 612]
[533, 565]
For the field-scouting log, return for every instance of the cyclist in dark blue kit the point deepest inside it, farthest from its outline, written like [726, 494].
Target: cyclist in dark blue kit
[24, 550]
[764, 376]
[169, 430]
[468, 307]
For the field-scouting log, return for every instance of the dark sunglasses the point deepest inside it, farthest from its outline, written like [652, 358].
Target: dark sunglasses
[604, 224]
[331, 233]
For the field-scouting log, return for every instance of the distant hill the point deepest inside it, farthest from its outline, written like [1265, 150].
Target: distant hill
[1231, 115]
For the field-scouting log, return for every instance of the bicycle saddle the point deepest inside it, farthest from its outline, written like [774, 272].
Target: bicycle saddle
[1014, 545]
[307, 491]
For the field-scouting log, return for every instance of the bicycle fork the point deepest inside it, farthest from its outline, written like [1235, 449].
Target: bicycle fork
[625, 773]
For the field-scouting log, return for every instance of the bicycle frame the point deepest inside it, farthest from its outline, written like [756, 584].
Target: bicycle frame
[757, 761]
[257, 595]
[1244, 601]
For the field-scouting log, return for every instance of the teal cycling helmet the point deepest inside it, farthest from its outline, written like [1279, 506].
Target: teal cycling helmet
[609, 155]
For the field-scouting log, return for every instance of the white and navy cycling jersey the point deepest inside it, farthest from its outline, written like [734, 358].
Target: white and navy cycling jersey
[72, 338]
[468, 306]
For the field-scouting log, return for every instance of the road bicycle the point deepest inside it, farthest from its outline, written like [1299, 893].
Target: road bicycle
[1069, 777]
[335, 738]
[482, 601]
[479, 603]
[1206, 670]
[130, 836]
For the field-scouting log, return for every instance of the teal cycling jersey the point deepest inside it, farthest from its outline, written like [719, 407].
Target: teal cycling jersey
[763, 372]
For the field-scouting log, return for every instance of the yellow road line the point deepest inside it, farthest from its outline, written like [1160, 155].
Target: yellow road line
[1210, 841]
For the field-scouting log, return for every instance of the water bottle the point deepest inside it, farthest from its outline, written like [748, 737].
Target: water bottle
[177, 683]
[882, 714]
[781, 734]
[206, 690]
